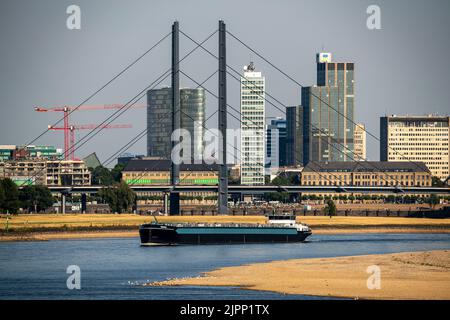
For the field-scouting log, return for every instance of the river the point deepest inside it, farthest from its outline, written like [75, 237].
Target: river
[117, 268]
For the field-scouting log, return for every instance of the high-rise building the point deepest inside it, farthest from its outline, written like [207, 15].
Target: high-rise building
[294, 136]
[193, 105]
[276, 143]
[159, 120]
[252, 127]
[417, 138]
[360, 142]
[328, 112]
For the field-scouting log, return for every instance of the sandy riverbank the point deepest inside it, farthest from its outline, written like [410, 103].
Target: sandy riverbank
[418, 275]
[73, 226]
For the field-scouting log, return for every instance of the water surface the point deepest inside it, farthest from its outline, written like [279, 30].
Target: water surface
[117, 268]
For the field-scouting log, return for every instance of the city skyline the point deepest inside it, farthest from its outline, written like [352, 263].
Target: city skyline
[68, 81]
[266, 142]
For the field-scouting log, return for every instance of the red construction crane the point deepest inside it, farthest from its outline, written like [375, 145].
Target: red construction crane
[67, 109]
[70, 151]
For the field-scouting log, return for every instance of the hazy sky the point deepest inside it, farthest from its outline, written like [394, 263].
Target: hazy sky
[403, 68]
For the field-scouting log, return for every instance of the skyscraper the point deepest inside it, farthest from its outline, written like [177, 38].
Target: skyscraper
[252, 127]
[328, 112]
[159, 123]
[294, 136]
[193, 117]
[276, 143]
[417, 138]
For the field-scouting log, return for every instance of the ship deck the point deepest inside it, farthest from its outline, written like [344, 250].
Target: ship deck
[222, 225]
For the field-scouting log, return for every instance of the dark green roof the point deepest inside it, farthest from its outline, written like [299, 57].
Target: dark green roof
[92, 161]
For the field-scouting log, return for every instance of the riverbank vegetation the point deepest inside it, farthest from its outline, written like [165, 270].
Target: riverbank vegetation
[31, 198]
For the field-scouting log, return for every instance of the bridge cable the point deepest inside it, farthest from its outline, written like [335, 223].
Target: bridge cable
[127, 106]
[275, 106]
[324, 102]
[104, 86]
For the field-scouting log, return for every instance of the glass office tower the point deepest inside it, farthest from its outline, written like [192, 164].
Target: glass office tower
[159, 120]
[276, 143]
[193, 118]
[294, 136]
[329, 112]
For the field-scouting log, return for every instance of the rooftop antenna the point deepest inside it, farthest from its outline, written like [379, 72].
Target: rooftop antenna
[249, 67]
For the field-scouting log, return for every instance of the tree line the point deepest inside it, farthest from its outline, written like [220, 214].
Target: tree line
[31, 198]
[38, 198]
[117, 194]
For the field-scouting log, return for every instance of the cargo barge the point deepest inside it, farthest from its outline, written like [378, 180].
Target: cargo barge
[279, 228]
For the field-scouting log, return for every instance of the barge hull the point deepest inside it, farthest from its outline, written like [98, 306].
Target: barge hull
[171, 236]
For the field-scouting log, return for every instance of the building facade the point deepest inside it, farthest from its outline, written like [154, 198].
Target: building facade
[294, 136]
[10, 152]
[148, 172]
[252, 127]
[360, 142]
[193, 117]
[276, 143]
[328, 112]
[46, 172]
[417, 138]
[366, 173]
[157, 172]
[159, 120]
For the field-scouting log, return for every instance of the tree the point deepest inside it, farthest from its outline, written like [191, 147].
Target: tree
[436, 182]
[119, 197]
[10, 202]
[330, 208]
[102, 176]
[276, 196]
[116, 172]
[281, 181]
[295, 180]
[390, 198]
[36, 198]
[2, 196]
[433, 200]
